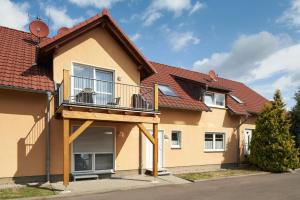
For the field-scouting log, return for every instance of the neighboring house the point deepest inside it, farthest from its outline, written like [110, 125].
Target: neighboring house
[86, 101]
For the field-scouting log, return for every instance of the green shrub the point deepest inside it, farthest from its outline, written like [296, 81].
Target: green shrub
[272, 146]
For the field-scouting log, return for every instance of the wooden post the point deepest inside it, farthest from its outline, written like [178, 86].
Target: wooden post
[66, 125]
[155, 150]
[66, 79]
[156, 97]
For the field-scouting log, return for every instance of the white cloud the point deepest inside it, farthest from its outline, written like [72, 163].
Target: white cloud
[135, 37]
[291, 16]
[60, 18]
[14, 15]
[180, 40]
[95, 3]
[246, 53]
[156, 8]
[150, 18]
[264, 61]
[198, 5]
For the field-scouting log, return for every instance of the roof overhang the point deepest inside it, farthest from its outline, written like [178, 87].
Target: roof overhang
[104, 20]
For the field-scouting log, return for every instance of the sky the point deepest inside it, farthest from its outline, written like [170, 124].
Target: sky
[256, 42]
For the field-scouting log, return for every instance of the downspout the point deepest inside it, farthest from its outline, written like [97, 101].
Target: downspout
[49, 98]
[238, 160]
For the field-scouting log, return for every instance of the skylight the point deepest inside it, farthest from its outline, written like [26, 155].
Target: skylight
[237, 99]
[166, 90]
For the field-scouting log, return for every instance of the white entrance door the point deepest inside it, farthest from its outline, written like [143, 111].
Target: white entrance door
[149, 151]
[247, 139]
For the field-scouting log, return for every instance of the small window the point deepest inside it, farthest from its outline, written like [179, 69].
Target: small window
[214, 99]
[236, 99]
[214, 141]
[176, 140]
[166, 90]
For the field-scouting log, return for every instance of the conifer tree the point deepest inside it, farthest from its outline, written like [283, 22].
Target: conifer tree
[295, 117]
[272, 147]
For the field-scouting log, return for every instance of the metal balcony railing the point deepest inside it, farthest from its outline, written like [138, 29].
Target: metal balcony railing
[106, 94]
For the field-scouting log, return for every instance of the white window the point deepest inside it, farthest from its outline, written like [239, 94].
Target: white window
[214, 142]
[214, 99]
[166, 90]
[176, 140]
[99, 82]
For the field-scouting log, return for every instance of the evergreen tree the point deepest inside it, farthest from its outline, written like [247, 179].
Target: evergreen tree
[272, 147]
[295, 115]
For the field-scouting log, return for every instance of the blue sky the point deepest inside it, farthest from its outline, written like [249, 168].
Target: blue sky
[256, 42]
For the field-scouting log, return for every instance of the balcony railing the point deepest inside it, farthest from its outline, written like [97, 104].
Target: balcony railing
[106, 94]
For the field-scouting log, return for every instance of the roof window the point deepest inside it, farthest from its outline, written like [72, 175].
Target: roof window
[166, 90]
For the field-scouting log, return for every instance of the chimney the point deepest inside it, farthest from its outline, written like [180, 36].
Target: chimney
[212, 74]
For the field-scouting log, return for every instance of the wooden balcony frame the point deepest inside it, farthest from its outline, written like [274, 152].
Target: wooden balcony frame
[90, 116]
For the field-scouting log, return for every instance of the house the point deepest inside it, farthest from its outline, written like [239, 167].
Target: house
[86, 102]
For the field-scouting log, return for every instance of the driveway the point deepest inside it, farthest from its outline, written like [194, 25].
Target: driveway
[264, 187]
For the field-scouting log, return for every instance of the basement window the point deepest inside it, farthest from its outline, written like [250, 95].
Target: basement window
[166, 90]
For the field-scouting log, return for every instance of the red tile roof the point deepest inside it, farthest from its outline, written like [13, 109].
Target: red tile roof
[17, 69]
[252, 101]
[17, 56]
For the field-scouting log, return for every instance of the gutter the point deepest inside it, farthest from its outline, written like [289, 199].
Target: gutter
[24, 89]
[47, 138]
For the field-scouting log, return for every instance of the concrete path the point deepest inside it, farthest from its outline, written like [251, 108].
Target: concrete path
[117, 183]
[261, 187]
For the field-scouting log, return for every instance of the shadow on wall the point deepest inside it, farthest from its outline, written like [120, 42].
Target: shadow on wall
[230, 154]
[170, 116]
[123, 131]
[31, 152]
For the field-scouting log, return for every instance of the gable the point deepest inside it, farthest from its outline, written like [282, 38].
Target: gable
[99, 49]
[104, 20]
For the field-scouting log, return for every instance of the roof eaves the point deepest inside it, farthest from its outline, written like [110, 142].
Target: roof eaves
[235, 112]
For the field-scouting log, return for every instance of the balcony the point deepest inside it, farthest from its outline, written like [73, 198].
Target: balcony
[76, 91]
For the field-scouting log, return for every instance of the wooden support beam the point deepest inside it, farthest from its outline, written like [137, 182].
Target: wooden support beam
[66, 79]
[155, 150]
[146, 132]
[109, 117]
[80, 130]
[66, 164]
[156, 97]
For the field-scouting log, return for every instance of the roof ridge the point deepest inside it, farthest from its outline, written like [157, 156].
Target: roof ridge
[186, 69]
[13, 29]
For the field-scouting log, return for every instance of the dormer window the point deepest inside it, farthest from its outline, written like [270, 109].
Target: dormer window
[166, 90]
[214, 99]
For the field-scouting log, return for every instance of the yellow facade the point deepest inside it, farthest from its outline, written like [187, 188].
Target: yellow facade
[22, 119]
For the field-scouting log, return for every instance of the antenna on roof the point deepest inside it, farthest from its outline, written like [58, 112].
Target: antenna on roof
[62, 30]
[39, 28]
[212, 74]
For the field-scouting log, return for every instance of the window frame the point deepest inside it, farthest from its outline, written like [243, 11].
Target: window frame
[94, 68]
[113, 152]
[214, 142]
[179, 133]
[213, 94]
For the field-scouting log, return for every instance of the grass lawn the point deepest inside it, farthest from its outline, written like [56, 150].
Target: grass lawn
[217, 174]
[21, 192]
